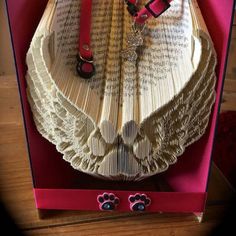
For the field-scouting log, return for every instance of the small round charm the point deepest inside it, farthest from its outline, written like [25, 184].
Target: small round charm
[108, 201]
[85, 68]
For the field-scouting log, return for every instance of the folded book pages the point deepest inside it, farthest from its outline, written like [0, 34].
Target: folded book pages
[130, 120]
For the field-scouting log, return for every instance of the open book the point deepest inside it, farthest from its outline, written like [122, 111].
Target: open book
[130, 120]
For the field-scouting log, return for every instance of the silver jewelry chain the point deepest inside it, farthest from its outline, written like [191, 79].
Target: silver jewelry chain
[133, 41]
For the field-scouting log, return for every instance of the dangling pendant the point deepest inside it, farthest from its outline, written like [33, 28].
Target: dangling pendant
[134, 40]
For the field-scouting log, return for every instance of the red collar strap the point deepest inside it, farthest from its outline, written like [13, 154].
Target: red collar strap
[153, 8]
[85, 66]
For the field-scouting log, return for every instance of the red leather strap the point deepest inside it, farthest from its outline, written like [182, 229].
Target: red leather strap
[85, 67]
[133, 1]
[85, 29]
[153, 8]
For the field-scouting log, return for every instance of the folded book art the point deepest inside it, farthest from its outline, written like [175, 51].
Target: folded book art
[119, 91]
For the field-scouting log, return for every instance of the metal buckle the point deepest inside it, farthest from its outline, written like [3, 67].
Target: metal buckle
[81, 62]
[165, 2]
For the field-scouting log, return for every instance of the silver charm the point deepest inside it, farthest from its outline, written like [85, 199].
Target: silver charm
[134, 40]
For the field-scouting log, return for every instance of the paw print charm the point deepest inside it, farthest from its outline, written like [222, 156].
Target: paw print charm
[107, 201]
[139, 202]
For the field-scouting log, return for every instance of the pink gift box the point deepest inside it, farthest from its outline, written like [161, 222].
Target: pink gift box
[58, 186]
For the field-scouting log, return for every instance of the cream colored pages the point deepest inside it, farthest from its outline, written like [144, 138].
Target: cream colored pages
[167, 41]
[131, 120]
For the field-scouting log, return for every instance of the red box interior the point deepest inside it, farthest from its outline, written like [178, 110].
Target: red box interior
[53, 177]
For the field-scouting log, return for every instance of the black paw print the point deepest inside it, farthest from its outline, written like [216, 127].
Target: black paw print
[139, 202]
[108, 201]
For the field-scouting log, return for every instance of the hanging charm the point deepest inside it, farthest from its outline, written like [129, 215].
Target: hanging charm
[134, 40]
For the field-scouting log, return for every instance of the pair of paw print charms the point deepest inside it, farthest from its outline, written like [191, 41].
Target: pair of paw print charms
[137, 202]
